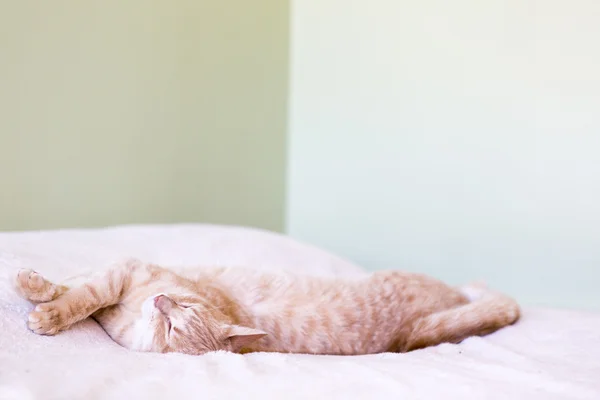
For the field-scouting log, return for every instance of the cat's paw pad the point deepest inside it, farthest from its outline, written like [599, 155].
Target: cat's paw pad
[34, 287]
[45, 319]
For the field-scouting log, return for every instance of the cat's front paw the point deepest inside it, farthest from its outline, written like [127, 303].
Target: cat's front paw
[46, 319]
[34, 287]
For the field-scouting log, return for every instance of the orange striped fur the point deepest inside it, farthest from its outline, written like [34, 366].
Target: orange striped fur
[146, 307]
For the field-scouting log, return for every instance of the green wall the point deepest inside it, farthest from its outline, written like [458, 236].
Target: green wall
[116, 112]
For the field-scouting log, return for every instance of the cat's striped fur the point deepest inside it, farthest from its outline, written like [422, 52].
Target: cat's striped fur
[146, 307]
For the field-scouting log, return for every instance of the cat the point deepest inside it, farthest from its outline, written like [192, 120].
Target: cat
[146, 307]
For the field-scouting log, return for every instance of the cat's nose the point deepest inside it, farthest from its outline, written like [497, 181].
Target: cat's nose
[163, 303]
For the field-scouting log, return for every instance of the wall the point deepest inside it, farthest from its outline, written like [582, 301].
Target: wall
[118, 112]
[460, 139]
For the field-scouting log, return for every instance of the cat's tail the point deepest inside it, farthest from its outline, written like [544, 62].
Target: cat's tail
[486, 312]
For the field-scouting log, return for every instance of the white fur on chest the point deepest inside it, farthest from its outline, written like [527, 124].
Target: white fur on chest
[142, 334]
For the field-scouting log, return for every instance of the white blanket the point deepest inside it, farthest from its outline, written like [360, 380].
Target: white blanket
[549, 354]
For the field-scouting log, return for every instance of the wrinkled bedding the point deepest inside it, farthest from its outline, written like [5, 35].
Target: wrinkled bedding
[549, 354]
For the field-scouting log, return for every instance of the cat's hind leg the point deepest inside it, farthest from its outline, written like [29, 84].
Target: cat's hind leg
[34, 287]
[488, 313]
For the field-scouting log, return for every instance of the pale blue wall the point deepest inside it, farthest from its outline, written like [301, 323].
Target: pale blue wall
[461, 139]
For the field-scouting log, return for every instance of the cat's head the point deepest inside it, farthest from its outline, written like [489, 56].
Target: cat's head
[185, 324]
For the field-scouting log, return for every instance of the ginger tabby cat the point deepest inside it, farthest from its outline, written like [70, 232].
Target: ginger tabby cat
[145, 307]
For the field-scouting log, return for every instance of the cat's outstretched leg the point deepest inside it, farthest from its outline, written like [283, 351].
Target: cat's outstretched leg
[34, 287]
[488, 313]
[79, 302]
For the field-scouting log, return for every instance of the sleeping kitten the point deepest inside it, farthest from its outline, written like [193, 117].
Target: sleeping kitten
[145, 307]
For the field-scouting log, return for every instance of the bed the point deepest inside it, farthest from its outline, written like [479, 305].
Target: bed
[549, 354]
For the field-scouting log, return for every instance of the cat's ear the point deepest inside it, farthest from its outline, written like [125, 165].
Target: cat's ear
[239, 337]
